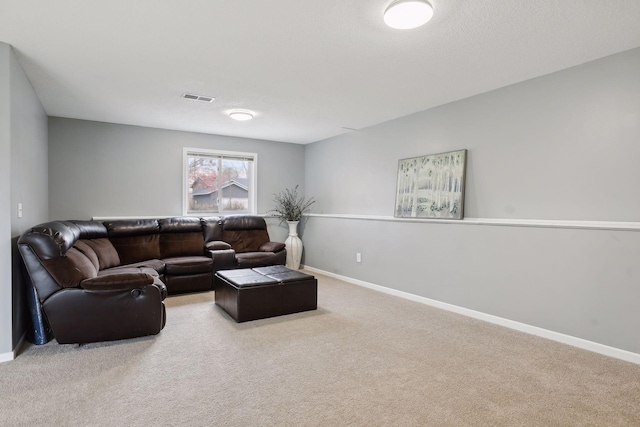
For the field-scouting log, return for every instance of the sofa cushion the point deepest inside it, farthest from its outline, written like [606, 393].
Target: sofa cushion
[137, 248]
[105, 253]
[181, 244]
[72, 268]
[245, 240]
[82, 246]
[128, 269]
[258, 259]
[188, 265]
[154, 264]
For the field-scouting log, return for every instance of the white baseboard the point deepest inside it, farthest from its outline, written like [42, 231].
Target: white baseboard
[7, 357]
[511, 324]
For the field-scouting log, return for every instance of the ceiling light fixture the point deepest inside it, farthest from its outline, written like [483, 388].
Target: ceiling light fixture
[241, 116]
[407, 14]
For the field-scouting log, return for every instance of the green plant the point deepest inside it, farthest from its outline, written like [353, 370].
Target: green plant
[290, 206]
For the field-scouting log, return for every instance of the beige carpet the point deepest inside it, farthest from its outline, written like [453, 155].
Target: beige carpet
[362, 359]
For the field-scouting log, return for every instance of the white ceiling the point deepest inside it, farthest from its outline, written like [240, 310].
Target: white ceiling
[308, 68]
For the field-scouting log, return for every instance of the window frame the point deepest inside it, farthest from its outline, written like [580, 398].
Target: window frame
[252, 181]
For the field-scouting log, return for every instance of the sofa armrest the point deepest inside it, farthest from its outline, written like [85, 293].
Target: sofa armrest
[272, 247]
[121, 281]
[217, 245]
[223, 259]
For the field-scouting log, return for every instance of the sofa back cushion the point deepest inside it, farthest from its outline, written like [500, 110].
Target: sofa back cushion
[101, 252]
[181, 244]
[135, 240]
[245, 240]
[88, 251]
[245, 233]
[71, 269]
[181, 236]
[137, 248]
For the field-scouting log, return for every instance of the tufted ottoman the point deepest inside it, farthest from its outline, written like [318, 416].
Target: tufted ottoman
[257, 293]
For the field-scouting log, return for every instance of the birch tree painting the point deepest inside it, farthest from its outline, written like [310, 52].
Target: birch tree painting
[431, 186]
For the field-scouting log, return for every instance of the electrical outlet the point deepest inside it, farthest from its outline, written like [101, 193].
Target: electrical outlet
[358, 257]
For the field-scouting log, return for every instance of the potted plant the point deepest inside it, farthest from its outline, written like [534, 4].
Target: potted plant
[290, 207]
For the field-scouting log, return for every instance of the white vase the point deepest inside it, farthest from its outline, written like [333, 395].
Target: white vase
[294, 246]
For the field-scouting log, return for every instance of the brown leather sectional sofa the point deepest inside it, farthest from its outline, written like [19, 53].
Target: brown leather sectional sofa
[99, 281]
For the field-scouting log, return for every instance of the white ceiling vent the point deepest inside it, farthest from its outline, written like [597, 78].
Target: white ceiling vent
[198, 97]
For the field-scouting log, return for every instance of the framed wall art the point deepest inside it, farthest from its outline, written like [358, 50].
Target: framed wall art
[431, 186]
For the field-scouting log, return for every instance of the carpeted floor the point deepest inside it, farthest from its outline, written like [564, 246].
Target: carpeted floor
[364, 358]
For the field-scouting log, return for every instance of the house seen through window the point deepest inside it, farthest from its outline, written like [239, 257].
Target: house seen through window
[219, 182]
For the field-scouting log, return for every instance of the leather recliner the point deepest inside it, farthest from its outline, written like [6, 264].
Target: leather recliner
[76, 303]
[94, 281]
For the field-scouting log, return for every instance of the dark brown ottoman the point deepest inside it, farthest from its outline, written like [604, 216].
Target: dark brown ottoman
[257, 293]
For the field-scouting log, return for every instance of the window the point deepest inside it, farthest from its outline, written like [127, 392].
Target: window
[218, 182]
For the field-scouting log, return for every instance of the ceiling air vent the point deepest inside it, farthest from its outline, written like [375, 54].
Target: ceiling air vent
[198, 97]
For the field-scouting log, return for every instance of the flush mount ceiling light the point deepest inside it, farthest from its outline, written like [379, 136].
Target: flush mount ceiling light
[407, 14]
[241, 116]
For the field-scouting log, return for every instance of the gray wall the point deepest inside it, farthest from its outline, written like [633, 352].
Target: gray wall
[23, 178]
[29, 178]
[560, 147]
[5, 202]
[102, 169]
